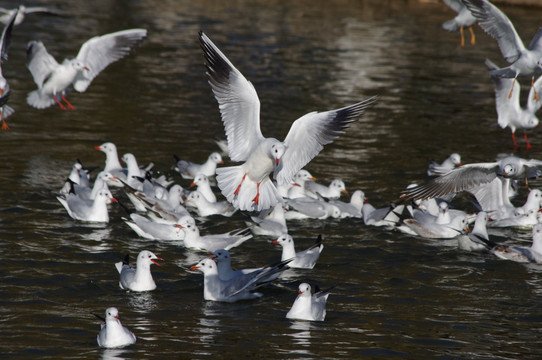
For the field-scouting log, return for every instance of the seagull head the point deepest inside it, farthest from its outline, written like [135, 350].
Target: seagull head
[78, 65]
[276, 151]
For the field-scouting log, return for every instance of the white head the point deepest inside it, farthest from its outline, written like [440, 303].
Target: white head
[108, 148]
[304, 289]
[111, 314]
[275, 150]
[206, 266]
[146, 258]
[284, 239]
[216, 157]
[338, 184]
[455, 159]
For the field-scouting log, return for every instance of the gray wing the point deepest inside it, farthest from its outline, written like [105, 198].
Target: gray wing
[40, 63]
[100, 51]
[455, 5]
[498, 26]
[536, 43]
[309, 134]
[508, 108]
[5, 40]
[237, 99]
[462, 178]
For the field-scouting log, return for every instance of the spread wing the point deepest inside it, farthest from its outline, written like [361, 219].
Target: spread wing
[462, 178]
[498, 26]
[309, 134]
[100, 51]
[237, 99]
[5, 40]
[508, 108]
[40, 63]
[455, 5]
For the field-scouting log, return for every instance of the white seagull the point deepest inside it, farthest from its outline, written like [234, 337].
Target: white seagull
[270, 222]
[225, 272]
[451, 162]
[305, 259]
[206, 208]
[509, 111]
[248, 186]
[524, 61]
[88, 210]
[201, 182]
[113, 334]
[237, 288]
[463, 19]
[332, 191]
[194, 240]
[152, 230]
[309, 306]
[5, 90]
[523, 254]
[94, 56]
[138, 278]
[189, 170]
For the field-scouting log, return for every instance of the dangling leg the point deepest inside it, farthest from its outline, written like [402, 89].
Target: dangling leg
[236, 192]
[462, 36]
[514, 140]
[4, 123]
[70, 106]
[58, 102]
[512, 89]
[529, 146]
[257, 197]
[472, 37]
[534, 89]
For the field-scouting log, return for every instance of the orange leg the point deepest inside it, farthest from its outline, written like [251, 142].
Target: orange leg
[514, 140]
[512, 89]
[59, 103]
[70, 106]
[462, 36]
[257, 197]
[472, 37]
[236, 192]
[529, 146]
[4, 123]
[532, 85]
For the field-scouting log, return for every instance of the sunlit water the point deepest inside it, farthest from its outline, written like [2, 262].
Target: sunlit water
[395, 296]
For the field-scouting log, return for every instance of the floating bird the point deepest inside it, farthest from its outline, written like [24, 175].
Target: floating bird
[88, 210]
[222, 259]
[509, 111]
[237, 288]
[478, 238]
[297, 188]
[213, 242]
[112, 163]
[332, 191]
[201, 182]
[497, 25]
[309, 306]
[469, 176]
[451, 162]
[305, 259]
[189, 170]
[94, 56]
[352, 208]
[523, 254]
[5, 90]
[113, 334]
[152, 230]
[138, 278]
[463, 19]
[207, 208]
[248, 186]
[434, 230]
[270, 222]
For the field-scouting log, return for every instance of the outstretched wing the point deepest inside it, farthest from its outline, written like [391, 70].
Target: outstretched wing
[310, 133]
[498, 26]
[507, 92]
[237, 99]
[462, 178]
[40, 63]
[5, 40]
[100, 51]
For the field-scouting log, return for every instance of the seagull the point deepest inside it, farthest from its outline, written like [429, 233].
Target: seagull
[201, 182]
[189, 170]
[434, 230]
[270, 222]
[451, 162]
[478, 238]
[297, 188]
[333, 191]
[352, 208]
[309, 208]
[152, 230]
[5, 90]
[112, 163]
[463, 19]
[213, 242]
[207, 208]
[309, 306]
[305, 259]
[222, 259]
[94, 56]
[89, 193]
[469, 176]
[113, 334]
[497, 25]
[22, 11]
[248, 186]
[88, 210]
[235, 289]
[523, 254]
[509, 111]
[137, 278]
[386, 216]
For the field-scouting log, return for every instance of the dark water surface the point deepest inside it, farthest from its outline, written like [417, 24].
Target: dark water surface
[396, 296]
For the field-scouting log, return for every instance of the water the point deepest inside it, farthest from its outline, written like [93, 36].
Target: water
[396, 296]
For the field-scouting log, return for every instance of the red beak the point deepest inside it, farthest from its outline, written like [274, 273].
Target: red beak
[97, 148]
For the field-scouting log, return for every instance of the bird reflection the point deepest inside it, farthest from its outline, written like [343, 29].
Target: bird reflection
[208, 328]
[110, 354]
[302, 335]
[143, 301]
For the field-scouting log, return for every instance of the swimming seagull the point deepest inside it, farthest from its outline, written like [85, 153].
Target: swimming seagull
[305, 259]
[88, 210]
[509, 111]
[309, 306]
[113, 334]
[520, 253]
[469, 176]
[5, 90]
[94, 56]
[248, 186]
[137, 278]
[463, 19]
[189, 170]
[497, 25]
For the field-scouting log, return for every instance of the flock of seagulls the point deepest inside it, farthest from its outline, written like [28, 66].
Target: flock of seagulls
[270, 182]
